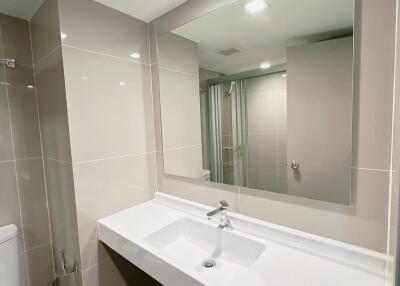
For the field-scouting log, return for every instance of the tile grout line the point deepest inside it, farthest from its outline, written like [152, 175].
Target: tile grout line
[41, 149]
[108, 158]
[181, 148]
[177, 71]
[106, 55]
[15, 167]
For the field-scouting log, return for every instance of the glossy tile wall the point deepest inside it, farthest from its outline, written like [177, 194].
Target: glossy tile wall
[266, 105]
[365, 221]
[180, 98]
[49, 76]
[107, 74]
[23, 199]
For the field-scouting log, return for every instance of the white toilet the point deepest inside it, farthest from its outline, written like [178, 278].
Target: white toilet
[9, 257]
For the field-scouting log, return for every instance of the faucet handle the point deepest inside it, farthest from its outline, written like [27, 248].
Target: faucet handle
[223, 204]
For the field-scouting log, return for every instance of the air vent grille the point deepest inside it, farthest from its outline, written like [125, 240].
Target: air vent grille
[229, 52]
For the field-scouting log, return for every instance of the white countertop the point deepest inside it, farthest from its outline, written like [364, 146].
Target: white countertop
[290, 258]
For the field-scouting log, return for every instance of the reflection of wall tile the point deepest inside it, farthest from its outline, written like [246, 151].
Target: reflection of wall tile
[177, 53]
[180, 111]
[185, 161]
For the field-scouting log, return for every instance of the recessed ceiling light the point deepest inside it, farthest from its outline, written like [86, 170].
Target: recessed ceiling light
[265, 66]
[84, 77]
[121, 83]
[284, 75]
[30, 86]
[135, 56]
[63, 36]
[255, 6]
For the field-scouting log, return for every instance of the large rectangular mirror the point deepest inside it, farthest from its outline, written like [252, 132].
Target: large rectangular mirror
[259, 94]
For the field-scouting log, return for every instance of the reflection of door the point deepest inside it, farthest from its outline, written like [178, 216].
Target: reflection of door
[319, 108]
[228, 127]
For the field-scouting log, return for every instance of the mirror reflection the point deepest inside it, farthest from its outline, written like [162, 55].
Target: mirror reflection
[259, 94]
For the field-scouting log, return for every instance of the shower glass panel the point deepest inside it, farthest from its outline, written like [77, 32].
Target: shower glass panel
[228, 132]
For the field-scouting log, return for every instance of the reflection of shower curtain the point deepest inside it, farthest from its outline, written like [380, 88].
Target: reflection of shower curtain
[239, 127]
[217, 173]
[237, 121]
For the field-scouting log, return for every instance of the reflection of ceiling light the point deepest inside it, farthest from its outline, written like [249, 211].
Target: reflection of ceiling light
[284, 75]
[135, 56]
[63, 36]
[121, 83]
[265, 66]
[30, 86]
[255, 6]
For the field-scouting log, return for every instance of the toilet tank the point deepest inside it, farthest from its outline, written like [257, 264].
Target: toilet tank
[9, 256]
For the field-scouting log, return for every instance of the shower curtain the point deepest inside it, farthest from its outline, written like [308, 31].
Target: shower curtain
[228, 98]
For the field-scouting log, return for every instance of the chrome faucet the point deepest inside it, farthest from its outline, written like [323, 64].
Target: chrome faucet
[224, 221]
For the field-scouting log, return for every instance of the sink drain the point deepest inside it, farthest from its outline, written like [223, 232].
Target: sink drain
[209, 263]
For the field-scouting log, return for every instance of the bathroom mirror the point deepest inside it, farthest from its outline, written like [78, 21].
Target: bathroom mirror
[259, 94]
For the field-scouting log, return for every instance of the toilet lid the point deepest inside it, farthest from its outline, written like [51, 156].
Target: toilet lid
[8, 232]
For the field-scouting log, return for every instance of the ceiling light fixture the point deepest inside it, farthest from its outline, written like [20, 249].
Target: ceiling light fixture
[255, 6]
[30, 86]
[121, 83]
[265, 66]
[135, 56]
[284, 75]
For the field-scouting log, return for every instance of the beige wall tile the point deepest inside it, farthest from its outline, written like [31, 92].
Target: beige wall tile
[24, 115]
[53, 107]
[117, 272]
[40, 266]
[45, 30]
[6, 151]
[35, 218]
[177, 53]
[373, 91]
[202, 191]
[9, 202]
[64, 229]
[110, 113]
[352, 224]
[180, 109]
[107, 186]
[95, 27]
[16, 39]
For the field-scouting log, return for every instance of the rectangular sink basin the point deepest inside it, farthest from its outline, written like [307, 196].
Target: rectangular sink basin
[205, 248]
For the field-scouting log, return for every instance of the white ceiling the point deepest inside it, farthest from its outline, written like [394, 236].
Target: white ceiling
[20, 8]
[145, 10]
[263, 36]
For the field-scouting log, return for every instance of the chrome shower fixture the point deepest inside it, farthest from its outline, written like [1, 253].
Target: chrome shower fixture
[10, 63]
